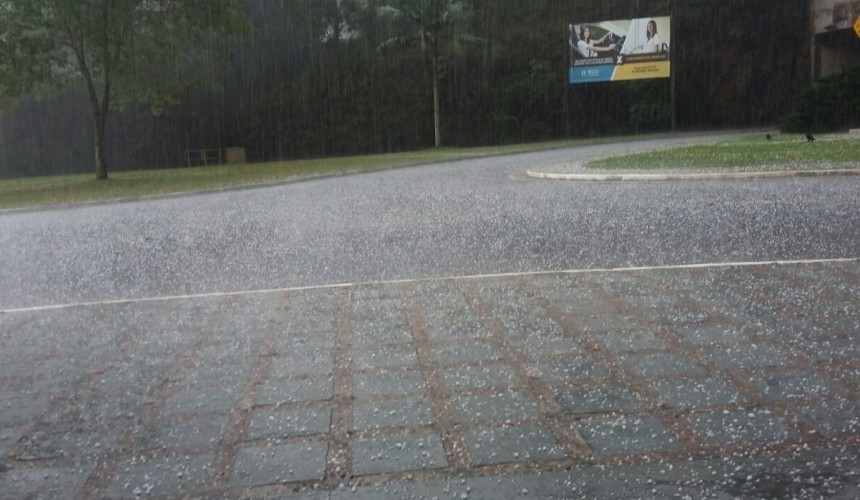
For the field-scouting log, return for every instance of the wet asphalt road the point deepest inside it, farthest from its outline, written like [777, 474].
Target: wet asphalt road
[462, 218]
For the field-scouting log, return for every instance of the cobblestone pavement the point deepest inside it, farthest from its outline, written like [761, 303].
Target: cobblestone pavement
[725, 381]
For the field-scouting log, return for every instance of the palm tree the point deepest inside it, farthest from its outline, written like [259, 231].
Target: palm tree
[432, 18]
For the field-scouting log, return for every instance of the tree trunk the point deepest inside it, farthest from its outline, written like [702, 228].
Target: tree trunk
[437, 121]
[101, 159]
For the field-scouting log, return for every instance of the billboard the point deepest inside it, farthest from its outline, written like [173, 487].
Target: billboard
[628, 49]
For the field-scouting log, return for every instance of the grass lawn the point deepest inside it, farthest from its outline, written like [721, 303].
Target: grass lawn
[69, 189]
[748, 153]
[745, 153]
[64, 189]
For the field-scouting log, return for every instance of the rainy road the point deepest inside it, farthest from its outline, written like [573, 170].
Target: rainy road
[725, 381]
[464, 218]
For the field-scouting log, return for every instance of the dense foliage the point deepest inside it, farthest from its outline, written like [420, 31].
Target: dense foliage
[831, 104]
[112, 49]
[314, 81]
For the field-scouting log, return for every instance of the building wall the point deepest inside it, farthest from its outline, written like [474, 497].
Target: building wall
[834, 14]
[834, 45]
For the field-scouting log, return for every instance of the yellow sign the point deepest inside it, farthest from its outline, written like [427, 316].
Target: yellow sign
[857, 26]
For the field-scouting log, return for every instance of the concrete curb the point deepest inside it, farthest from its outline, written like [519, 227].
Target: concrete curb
[691, 176]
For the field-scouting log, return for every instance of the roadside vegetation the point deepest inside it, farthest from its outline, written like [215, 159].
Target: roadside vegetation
[749, 153]
[82, 188]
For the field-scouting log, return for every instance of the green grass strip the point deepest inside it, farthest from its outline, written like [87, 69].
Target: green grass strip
[82, 188]
[749, 153]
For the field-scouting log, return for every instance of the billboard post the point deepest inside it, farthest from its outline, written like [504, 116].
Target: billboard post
[674, 114]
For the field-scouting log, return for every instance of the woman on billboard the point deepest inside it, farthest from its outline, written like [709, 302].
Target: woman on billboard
[591, 48]
[652, 43]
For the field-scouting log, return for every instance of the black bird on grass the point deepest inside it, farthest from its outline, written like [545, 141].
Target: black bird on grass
[768, 137]
[809, 138]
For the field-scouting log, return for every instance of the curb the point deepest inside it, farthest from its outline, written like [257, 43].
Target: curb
[691, 177]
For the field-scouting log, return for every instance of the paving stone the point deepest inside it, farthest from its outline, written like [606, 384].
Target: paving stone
[527, 326]
[627, 435]
[498, 445]
[605, 323]
[289, 344]
[125, 378]
[8, 438]
[518, 309]
[846, 320]
[372, 337]
[696, 392]
[391, 322]
[370, 303]
[250, 333]
[314, 301]
[387, 383]
[385, 356]
[593, 313]
[746, 356]
[839, 418]
[219, 375]
[780, 386]
[474, 377]
[285, 423]
[93, 408]
[196, 399]
[172, 475]
[538, 347]
[454, 354]
[711, 334]
[306, 363]
[829, 349]
[14, 365]
[200, 432]
[556, 371]
[321, 321]
[630, 341]
[599, 399]
[462, 330]
[740, 428]
[651, 301]
[398, 453]
[17, 411]
[407, 412]
[678, 315]
[660, 365]
[44, 482]
[782, 328]
[622, 285]
[504, 406]
[69, 368]
[277, 391]
[279, 464]
[458, 314]
[228, 352]
[68, 440]
[160, 347]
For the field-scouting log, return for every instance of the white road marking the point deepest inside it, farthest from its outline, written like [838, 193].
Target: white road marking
[424, 280]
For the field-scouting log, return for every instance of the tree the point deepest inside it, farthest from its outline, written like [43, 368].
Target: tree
[433, 17]
[122, 51]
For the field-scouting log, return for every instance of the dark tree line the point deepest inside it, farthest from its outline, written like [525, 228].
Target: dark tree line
[313, 81]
